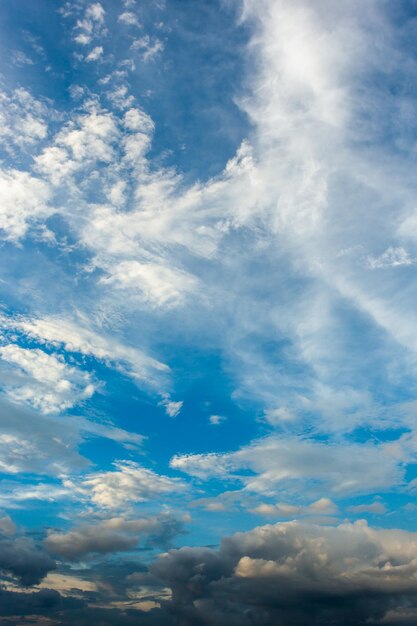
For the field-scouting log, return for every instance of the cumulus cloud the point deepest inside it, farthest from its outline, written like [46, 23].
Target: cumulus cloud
[95, 54]
[95, 12]
[128, 483]
[293, 573]
[116, 534]
[91, 26]
[24, 200]
[129, 18]
[35, 607]
[23, 120]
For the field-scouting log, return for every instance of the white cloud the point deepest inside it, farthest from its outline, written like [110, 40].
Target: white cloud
[323, 506]
[120, 97]
[24, 200]
[128, 484]
[23, 120]
[215, 420]
[95, 54]
[95, 12]
[376, 507]
[129, 18]
[392, 257]
[117, 193]
[283, 464]
[83, 38]
[157, 285]
[280, 415]
[137, 120]
[79, 338]
[44, 380]
[149, 48]
[20, 58]
[172, 407]
[82, 142]
[91, 26]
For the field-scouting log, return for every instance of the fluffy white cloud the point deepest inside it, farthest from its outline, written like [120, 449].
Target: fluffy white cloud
[89, 137]
[128, 484]
[24, 200]
[91, 26]
[95, 12]
[95, 54]
[129, 18]
[44, 380]
[23, 120]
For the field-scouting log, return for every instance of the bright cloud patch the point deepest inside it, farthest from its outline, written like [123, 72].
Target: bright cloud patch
[128, 483]
[24, 201]
[44, 380]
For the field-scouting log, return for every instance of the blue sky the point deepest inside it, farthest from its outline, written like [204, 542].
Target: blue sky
[208, 320]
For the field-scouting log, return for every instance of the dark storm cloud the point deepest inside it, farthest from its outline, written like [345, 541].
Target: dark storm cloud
[57, 610]
[43, 602]
[20, 558]
[298, 575]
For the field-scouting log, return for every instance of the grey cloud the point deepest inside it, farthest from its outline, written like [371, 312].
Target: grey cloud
[40, 602]
[51, 448]
[47, 607]
[295, 574]
[114, 535]
[20, 558]
[114, 617]
[39, 444]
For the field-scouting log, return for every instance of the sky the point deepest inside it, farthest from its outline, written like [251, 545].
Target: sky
[208, 312]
